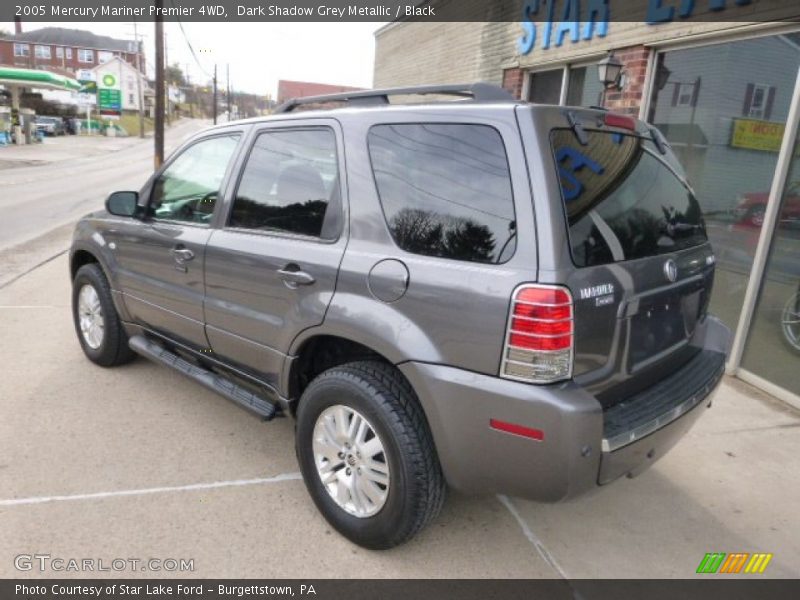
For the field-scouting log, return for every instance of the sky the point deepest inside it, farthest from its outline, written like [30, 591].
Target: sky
[259, 54]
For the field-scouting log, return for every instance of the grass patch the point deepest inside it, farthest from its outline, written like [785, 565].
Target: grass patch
[131, 124]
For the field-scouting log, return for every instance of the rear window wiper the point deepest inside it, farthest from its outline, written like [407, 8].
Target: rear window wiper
[577, 129]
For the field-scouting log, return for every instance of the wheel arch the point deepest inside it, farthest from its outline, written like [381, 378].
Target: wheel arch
[81, 257]
[82, 254]
[319, 352]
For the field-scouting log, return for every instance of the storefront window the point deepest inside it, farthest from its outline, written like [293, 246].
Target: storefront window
[545, 86]
[584, 86]
[773, 345]
[723, 108]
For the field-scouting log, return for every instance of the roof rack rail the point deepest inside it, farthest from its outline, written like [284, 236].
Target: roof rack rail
[479, 92]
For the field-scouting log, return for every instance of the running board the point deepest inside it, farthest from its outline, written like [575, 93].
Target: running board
[216, 383]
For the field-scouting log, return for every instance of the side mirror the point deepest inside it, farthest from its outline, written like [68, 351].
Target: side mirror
[123, 204]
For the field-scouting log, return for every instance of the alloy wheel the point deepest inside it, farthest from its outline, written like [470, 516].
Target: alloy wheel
[351, 461]
[790, 321]
[90, 317]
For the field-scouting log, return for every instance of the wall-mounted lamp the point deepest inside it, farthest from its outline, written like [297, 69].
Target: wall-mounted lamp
[609, 71]
[610, 74]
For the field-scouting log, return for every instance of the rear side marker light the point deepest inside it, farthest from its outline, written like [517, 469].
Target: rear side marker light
[539, 335]
[520, 430]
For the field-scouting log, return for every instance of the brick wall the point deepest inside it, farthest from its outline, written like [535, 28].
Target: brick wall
[634, 65]
[512, 81]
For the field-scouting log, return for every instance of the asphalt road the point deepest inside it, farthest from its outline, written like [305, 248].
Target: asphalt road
[67, 177]
[138, 462]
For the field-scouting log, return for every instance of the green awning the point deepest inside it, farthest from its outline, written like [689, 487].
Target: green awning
[36, 78]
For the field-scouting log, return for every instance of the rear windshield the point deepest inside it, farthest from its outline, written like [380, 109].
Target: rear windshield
[623, 198]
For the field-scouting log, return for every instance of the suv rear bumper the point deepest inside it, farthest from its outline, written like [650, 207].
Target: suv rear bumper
[570, 458]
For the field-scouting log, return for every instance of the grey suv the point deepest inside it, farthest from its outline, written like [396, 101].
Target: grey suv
[483, 294]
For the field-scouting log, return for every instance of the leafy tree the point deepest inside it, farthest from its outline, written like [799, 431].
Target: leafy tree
[174, 75]
[469, 241]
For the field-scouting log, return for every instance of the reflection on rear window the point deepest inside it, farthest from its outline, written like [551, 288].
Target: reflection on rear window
[622, 200]
[445, 189]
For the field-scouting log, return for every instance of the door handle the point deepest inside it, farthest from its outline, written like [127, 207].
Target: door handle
[292, 276]
[182, 254]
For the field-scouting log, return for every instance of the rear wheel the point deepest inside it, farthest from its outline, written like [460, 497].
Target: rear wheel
[97, 324]
[367, 455]
[790, 322]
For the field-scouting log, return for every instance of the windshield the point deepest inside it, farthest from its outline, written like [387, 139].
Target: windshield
[623, 198]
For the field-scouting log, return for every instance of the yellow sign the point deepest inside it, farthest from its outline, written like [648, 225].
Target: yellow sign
[757, 135]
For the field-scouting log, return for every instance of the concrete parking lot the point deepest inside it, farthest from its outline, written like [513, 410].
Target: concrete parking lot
[137, 462]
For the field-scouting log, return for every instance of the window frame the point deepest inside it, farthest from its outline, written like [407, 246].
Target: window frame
[529, 76]
[382, 210]
[242, 164]
[69, 53]
[59, 51]
[43, 51]
[762, 108]
[150, 219]
[82, 53]
[682, 95]
[565, 68]
[22, 50]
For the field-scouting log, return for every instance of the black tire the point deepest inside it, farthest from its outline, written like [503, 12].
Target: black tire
[417, 489]
[755, 215]
[113, 350]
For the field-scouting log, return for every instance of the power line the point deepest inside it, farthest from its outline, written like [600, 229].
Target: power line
[188, 43]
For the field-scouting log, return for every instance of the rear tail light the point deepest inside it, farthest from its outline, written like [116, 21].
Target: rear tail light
[539, 335]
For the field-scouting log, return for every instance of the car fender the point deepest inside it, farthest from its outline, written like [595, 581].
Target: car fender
[380, 326]
[87, 238]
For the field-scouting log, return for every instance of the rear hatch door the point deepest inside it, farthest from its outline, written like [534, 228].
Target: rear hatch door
[641, 267]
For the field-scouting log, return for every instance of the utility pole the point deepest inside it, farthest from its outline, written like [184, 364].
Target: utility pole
[139, 76]
[228, 87]
[166, 65]
[190, 96]
[159, 124]
[214, 101]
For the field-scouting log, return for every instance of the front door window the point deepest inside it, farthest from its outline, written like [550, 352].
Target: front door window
[186, 191]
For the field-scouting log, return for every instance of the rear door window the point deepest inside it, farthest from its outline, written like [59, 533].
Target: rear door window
[290, 184]
[445, 190]
[623, 199]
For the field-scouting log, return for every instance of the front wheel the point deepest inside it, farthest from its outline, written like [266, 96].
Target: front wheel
[97, 324]
[756, 215]
[367, 455]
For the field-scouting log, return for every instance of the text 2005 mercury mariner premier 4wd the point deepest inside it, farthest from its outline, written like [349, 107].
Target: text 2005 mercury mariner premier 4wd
[484, 294]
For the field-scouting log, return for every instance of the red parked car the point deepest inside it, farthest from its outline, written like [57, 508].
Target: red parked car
[751, 207]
